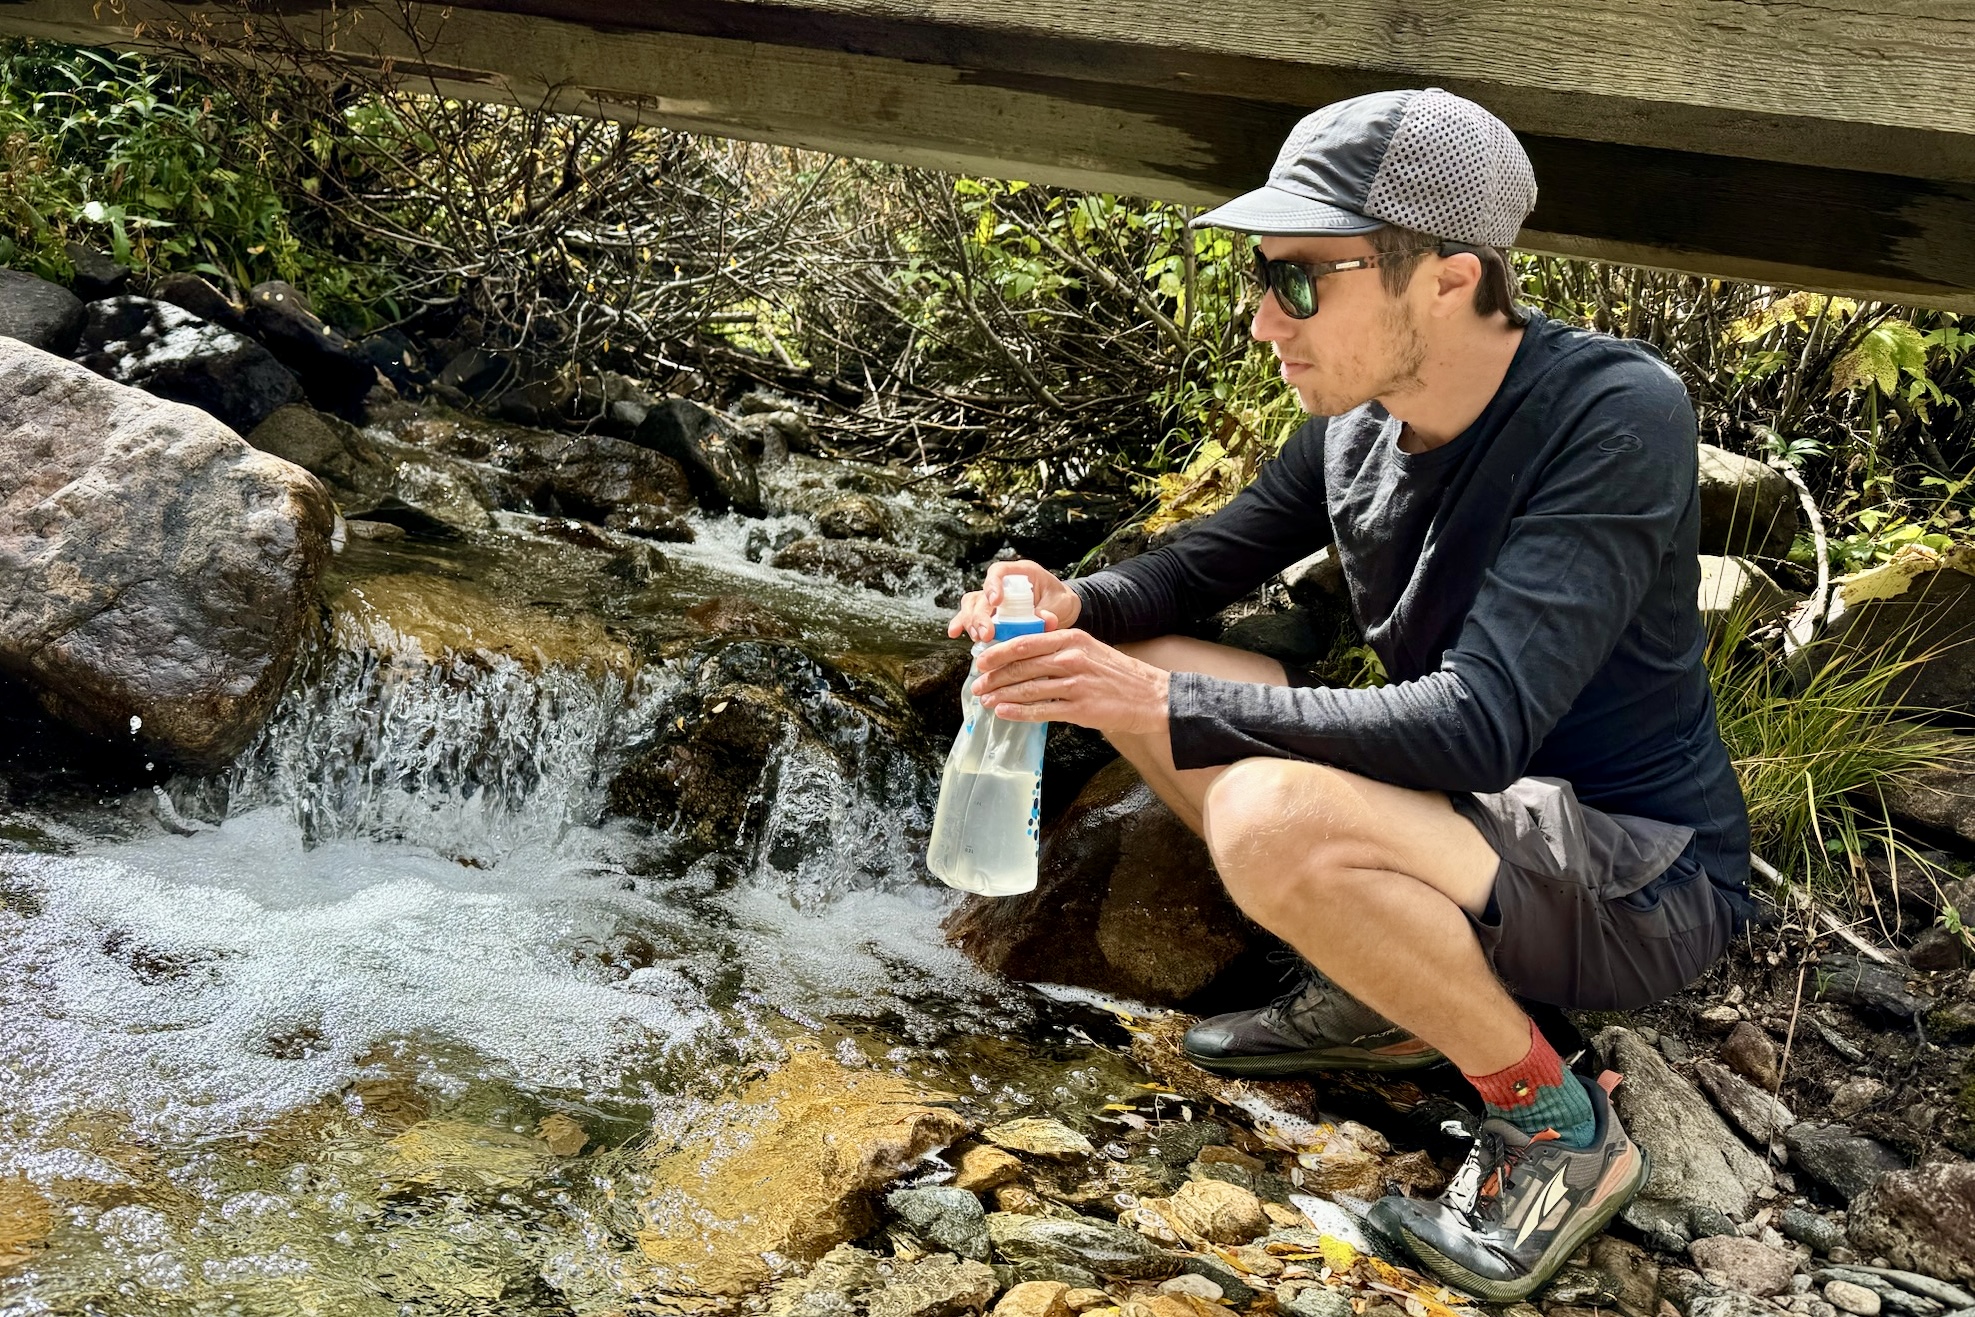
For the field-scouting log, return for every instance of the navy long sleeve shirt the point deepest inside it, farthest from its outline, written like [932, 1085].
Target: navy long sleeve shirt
[1531, 588]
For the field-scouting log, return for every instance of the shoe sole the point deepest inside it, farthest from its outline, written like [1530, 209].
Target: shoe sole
[1553, 1258]
[1279, 1065]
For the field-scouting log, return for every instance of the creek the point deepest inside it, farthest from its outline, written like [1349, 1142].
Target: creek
[382, 1021]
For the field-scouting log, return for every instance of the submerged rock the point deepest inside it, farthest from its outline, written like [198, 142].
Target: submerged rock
[771, 752]
[795, 1180]
[1084, 1243]
[1126, 902]
[157, 575]
[1040, 1136]
[418, 617]
[1220, 1212]
[26, 1221]
[948, 1218]
[40, 314]
[168, 351]
[937, 1286]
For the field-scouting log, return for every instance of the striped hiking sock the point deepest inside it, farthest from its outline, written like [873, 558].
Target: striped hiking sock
[1537, 1094]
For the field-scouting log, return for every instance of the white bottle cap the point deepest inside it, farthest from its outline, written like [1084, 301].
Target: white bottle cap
[1017, 594]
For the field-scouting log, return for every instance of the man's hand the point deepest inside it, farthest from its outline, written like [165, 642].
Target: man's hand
[1069, 677]
[1056, 604]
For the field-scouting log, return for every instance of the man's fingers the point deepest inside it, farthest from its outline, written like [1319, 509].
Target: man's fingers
[1030, 691]
[1027, 647]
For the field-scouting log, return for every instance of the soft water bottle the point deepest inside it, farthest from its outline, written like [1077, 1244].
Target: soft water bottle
[990, 797]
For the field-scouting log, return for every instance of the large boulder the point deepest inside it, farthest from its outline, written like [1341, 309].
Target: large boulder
[1920, 606]
[166, 350]
[157, 575]
[799, 1178]
[1126, 902]
[38, 313]
[1746, 507]
[333, 373]
[704, 443]
[1698, 1162]
[1923, 1219]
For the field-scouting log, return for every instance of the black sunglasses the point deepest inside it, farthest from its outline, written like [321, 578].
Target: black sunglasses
[1295, 282]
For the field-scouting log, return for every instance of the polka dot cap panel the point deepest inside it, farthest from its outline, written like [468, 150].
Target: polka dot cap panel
[1455, 171]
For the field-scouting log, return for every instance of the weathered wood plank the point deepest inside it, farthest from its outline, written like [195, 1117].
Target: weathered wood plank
[1817, 183]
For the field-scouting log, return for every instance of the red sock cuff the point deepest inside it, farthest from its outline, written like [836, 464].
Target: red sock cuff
[1517, 1085]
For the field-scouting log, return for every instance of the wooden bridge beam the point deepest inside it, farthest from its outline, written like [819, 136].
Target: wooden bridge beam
[1831, 147]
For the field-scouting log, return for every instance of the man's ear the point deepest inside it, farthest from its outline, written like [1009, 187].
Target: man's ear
[1456, 280]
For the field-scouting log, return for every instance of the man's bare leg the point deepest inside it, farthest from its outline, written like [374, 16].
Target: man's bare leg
[1370, 882]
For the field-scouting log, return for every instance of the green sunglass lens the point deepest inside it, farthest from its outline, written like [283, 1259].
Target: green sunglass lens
[1290, 283]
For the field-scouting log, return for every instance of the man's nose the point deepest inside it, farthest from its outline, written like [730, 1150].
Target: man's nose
[1269, 324]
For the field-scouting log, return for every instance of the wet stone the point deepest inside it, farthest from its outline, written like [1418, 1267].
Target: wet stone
[1095, 1246]
[983, 1167]
[1188, 1283]
[1235, 1288]
[1221, 1212]
[1040, 1136]
[1035, 1298]
[937, 1286]
[1182, 1141]
[1313, 1299]
[949, 1219]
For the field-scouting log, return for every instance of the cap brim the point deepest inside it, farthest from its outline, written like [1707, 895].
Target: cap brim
[1275, 213]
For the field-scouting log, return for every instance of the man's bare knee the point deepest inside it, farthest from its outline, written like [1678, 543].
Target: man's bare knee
[1256, 818]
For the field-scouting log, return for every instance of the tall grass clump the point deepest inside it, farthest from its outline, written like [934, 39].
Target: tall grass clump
[1815, 741]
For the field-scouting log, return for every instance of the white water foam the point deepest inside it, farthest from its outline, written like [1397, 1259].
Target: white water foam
[167, 979]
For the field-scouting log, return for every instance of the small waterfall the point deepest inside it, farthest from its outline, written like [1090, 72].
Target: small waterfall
[471, 754]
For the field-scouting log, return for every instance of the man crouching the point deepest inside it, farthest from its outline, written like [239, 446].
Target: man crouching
[1539, 801]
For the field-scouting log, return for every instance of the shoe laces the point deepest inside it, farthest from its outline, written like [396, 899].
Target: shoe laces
[1491, 1158]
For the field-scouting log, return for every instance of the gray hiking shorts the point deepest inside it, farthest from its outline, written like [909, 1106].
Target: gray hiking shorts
[1592, 911]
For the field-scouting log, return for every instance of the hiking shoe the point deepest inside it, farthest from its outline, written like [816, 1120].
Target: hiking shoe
[1520, 1206]
[1315, 1026]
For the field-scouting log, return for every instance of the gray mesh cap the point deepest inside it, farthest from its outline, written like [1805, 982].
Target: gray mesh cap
[1426, 160]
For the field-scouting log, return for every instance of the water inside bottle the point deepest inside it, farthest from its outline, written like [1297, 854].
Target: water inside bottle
[989, 844]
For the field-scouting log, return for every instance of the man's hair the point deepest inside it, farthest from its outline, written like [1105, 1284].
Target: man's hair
[1495, 293]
